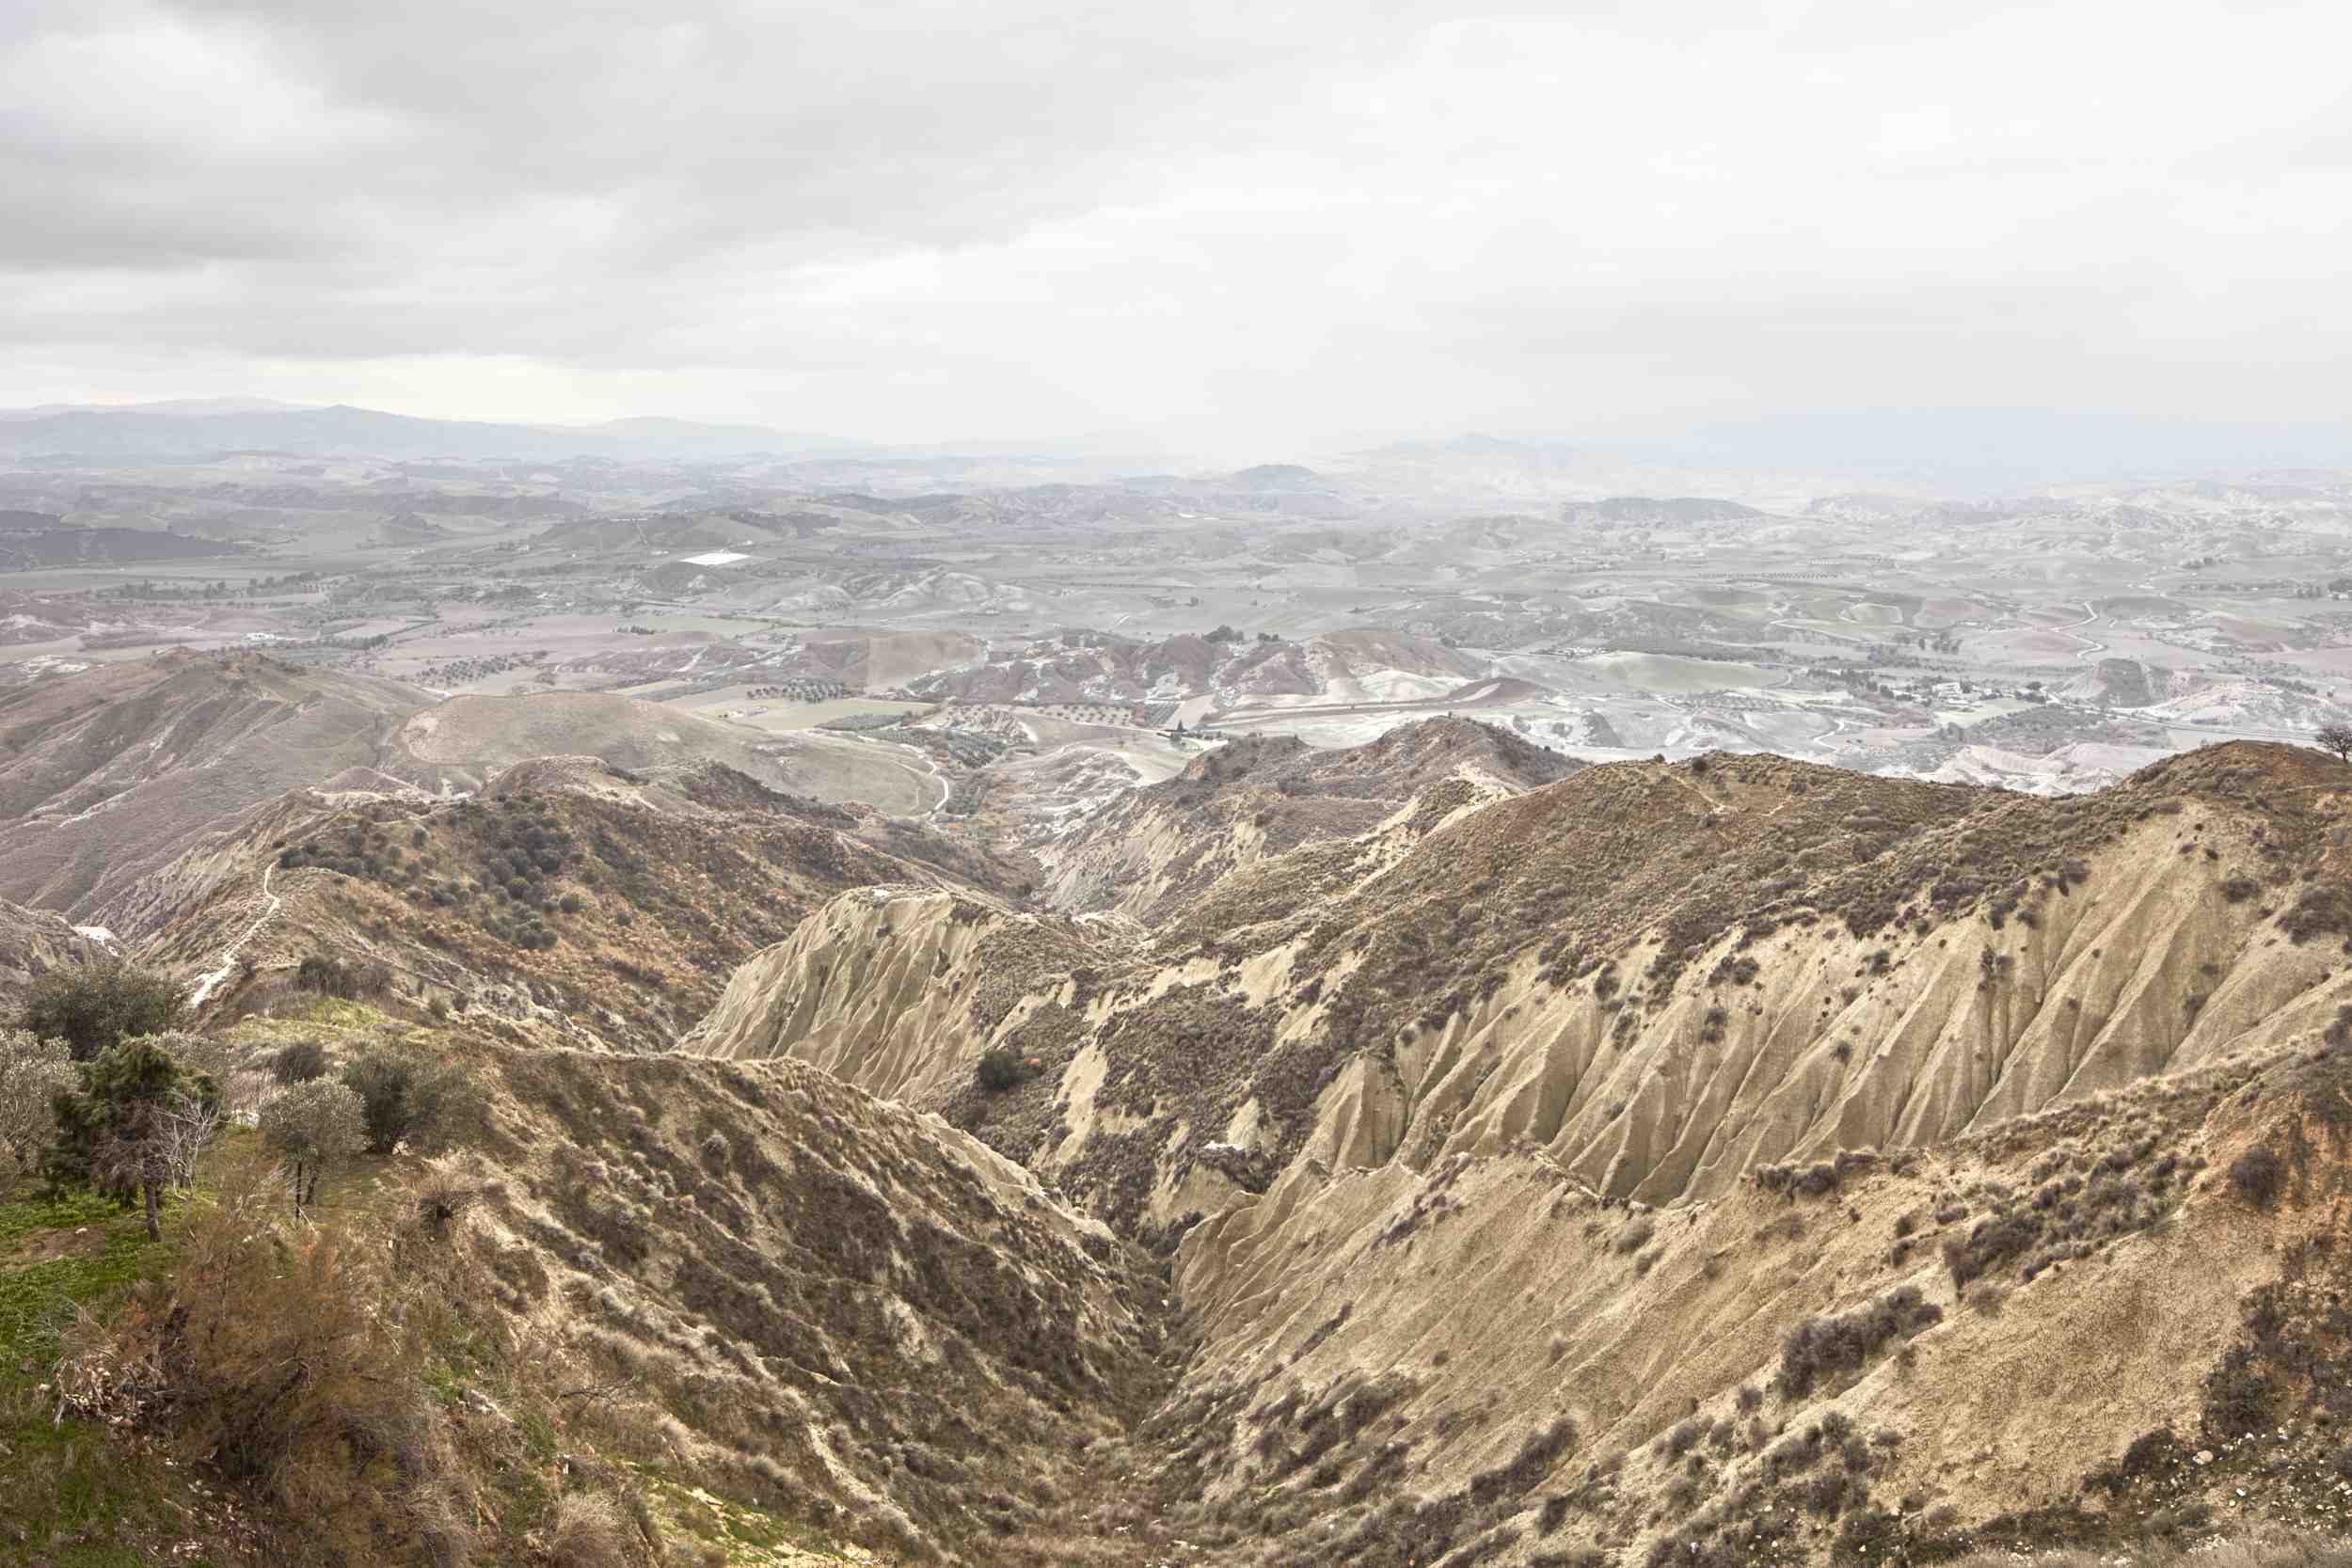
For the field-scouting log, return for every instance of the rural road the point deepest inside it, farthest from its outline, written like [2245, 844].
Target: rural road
[946, 790]
[207, 983]
[2082, 655]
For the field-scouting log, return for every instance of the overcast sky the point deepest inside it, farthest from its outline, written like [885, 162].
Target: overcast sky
[1249, 224]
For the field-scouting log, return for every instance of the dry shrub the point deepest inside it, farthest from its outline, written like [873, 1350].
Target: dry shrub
[32, 1073]
[272, 1353]
[1824, 1346]
[588, 1532]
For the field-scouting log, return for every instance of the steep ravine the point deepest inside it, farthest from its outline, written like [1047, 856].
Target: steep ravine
[1485, 1164]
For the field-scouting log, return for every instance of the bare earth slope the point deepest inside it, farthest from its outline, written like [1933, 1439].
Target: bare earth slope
[106, 773]
[1511, 1038]
[33, 942]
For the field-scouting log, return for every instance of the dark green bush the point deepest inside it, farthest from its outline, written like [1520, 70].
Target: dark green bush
[127, 1129]
[92, 1009]
[2257, 1175]
[345, 981]
[298, 1063]
[397, 1099]
[999, 1070]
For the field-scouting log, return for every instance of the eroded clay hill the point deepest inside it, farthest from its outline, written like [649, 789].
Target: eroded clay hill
[1157, 848]
[33, 942]
[1664, 976]
[1609, 1167]
[104, 775]
[569, 903]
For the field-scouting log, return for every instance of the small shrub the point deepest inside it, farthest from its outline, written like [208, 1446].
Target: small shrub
[398, 1102]
[2323, 908]
[587, 1532]
[999, 1070]
[2257, 1175]
[1987, 1298]
[336, 978]
[314, 1126]
[2239, 1396]
[1823, 1345]
[33, 1072]
[298, 1063]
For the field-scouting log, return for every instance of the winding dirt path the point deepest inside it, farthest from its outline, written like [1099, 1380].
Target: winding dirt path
[209, 982]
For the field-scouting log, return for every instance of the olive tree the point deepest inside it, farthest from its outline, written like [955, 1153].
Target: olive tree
[94, 1008]
[314, 1126]
[33, 1072]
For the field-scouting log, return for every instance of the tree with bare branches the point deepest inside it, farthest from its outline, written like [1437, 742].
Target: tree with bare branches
[2336, 739]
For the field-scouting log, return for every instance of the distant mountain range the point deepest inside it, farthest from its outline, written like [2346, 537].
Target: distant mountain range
[206, 427]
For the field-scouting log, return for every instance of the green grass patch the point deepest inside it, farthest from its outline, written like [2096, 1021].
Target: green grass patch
[67, 1497]
[23, 1216]
[35, 1300]
[36, 1297]
[72, 1498]
[750, 1535]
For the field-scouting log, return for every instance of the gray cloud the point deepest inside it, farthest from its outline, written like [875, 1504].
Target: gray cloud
[1239, 223]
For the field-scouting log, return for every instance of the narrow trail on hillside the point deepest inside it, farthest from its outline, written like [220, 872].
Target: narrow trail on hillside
[207, 983]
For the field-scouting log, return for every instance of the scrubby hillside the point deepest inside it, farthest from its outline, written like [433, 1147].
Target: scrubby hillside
[631, 1310]
[1666, 976]
[1727, 1163]
[848, 1312]
[2103, 1323]
[569, 903]
[1490, 1157]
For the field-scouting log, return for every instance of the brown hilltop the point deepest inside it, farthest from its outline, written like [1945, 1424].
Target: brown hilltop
[571, 902]
[1154, 849]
